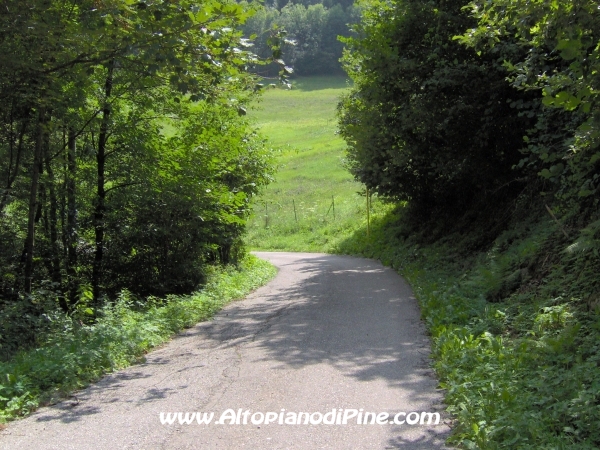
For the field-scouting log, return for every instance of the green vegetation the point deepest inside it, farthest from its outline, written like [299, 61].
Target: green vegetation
[126, 161]
[435, 126]
[483, 118]
[559, 61]
[69, 355]
[515, 331]
[128, 158]
[301, 123]
[312, 27]
[480, 122]
[126, 170]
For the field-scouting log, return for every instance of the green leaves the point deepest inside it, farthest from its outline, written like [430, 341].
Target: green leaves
[144, 142]
[310, 43]
[569, 48]
[72, 355]
[428, 119]
[561, 59]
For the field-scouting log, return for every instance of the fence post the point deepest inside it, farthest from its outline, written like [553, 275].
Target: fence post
[266, 215]
[368, 213]
[295, 216]
[333, 204]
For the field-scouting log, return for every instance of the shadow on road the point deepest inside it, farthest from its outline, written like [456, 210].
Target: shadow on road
[352, 314]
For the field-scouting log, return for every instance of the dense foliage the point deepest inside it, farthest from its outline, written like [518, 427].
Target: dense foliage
[450, 97]
[560, 62]
[428, 120]
[313, 27]
[125, 157]
[514, 336]
[70, 355]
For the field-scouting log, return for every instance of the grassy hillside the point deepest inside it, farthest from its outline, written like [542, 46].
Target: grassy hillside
[300, 123]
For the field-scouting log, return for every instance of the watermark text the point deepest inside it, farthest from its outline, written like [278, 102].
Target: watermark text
[283, 417]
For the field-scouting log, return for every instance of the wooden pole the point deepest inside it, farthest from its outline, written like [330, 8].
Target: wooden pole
[295, 216]
[333, 204]
[266, 215]
[368, 213]
[557, 222]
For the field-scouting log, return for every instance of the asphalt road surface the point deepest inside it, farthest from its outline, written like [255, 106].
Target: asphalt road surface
[330, 336]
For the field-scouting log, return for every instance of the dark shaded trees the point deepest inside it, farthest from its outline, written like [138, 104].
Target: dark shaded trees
[429, 120]
[559, 64]
[125, 162]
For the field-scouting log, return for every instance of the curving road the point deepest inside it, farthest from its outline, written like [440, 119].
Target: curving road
[329, 336]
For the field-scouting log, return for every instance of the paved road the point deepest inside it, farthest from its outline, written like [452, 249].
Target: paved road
[330, 334]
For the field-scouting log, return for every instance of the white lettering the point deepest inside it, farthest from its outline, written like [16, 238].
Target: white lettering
[397, 418]
[270, 417]
[430, 417]
[257, 421]
[412, 421]
[227, 414]
[349, 414]
[382, 418]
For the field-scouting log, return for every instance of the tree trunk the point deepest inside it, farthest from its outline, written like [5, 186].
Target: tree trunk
[55, 274]
[33, 200]
[101, 192]
[12, 174]
[71, 231]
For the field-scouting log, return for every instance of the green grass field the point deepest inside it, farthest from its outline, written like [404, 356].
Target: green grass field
[301, 124]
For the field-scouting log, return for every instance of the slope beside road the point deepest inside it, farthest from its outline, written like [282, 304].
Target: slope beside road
[329, 336]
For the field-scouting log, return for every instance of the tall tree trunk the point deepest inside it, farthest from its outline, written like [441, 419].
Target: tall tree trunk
[12, 174]
[71, 231]
[53, 224]
[33, 199]
[101, 192]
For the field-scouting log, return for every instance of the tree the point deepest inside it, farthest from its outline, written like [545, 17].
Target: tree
[313, 28]
[125, 158]
[428, 120]
[560, 65]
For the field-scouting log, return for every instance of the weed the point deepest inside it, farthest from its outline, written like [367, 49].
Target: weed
[514, 315]
[520, 364]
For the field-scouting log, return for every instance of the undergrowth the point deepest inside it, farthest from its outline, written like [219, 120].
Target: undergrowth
[72, 354]
[515, 327]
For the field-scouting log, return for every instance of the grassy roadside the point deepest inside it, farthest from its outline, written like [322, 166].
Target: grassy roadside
[515, 329]
[73, 355]
[515, 323]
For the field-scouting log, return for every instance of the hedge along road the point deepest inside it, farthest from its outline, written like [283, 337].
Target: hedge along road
[329, 336]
